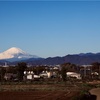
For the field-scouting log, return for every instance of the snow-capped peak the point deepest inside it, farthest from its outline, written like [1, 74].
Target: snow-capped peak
[15, 53]
[15, 50]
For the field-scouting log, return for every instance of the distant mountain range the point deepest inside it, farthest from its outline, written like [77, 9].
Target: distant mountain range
[15, 55]
[78, 59]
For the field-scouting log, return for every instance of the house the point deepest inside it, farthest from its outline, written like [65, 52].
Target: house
[46, 74]
[10, 76]
[86, 70]
[37, 76]
[73, 75]
[28, 75]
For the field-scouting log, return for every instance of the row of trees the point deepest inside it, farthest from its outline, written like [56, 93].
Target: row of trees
[21, 67]
[95, 67]
[19, 70]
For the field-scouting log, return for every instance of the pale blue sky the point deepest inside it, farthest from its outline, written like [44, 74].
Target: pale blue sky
[49, 29]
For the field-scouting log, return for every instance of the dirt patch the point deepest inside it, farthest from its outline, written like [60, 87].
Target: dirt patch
[37, 95]
[42, 92]
[96, 91]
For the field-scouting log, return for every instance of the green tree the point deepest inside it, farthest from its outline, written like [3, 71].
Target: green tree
[67, 67]
[64, 68]
[2, 73]
[20, 70]
[96, 67]
[63, 73]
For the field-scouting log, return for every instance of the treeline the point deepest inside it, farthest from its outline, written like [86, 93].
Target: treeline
[18, 71]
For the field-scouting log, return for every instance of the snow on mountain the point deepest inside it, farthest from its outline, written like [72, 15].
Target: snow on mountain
[15, 53]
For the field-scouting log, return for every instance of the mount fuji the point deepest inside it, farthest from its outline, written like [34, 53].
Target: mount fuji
[15, 54]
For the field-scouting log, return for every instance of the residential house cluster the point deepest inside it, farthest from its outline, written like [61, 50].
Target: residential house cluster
[51, 72]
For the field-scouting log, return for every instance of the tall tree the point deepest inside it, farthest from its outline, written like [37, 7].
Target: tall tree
[20, 70]
[64, 68]
[63, 73]
[96, 67]
[2, 73]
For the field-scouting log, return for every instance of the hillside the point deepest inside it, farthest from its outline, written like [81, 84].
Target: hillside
[79, 59]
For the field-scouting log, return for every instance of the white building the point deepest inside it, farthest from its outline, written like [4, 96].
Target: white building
[6, 65]
[29, 75]
[46, 74]
[74, 75]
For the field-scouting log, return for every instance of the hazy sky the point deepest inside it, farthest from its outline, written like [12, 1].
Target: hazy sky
[49, 29]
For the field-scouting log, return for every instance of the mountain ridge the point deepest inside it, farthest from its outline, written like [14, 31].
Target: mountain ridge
[15, 55]
[84, 59]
